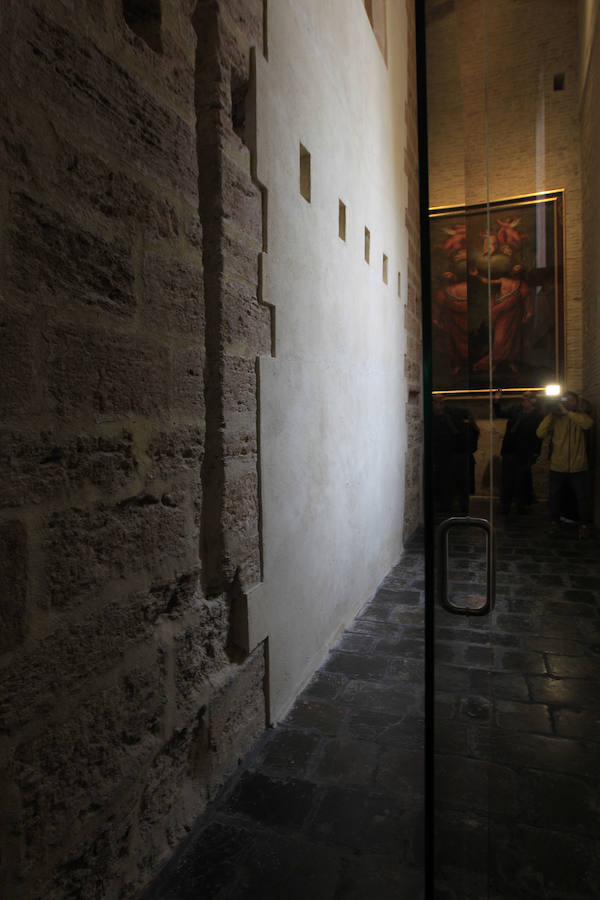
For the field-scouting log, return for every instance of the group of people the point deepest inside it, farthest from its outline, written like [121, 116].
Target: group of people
[564, 421]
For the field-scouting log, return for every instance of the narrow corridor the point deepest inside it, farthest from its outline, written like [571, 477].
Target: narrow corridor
[329, 806]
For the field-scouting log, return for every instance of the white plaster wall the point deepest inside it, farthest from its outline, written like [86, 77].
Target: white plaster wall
[332, 419]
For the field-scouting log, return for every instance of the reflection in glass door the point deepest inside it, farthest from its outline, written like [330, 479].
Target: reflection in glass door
[515, 619]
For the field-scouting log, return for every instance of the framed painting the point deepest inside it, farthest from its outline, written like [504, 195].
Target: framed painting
[497, 304]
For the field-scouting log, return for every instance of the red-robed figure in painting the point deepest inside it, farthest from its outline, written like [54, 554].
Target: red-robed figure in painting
[450, 299]
[450, 316]
[510, 295]
[511, 311]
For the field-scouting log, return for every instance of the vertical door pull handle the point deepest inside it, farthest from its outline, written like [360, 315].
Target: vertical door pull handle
[444, 530]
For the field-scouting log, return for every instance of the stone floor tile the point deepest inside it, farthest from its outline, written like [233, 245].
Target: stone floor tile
[391, 698]
[386, 728]
[543, 863]
[272, 801]
[402, 616]
[363, 821]
[557, 645]
[395, 597]
[381, 878]
[574, 667]
[509, 686]
[317, 716]
[400, 646]
[286, 867]
[475, 707]
[554, 754]
[577, 723]
[289, 751]
[530, 717]
[356, 665]
[206, 865]
[325, 686]
[356, 643]
[563, 803]
[570, 692]
[401, 772]
[522, 662]
[406, 669]
[347, 761]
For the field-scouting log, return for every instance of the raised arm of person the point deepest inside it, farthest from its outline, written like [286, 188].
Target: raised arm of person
[545, 426]
[580, 418]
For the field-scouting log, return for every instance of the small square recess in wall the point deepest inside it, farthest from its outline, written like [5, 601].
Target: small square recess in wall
[305, 173]
[342, 221]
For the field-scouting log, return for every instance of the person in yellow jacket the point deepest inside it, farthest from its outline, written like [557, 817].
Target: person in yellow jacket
[567, 425]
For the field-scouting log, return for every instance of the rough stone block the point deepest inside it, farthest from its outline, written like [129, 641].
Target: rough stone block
[34, 469]
[188, 381]
[59, 669]
[240, 505]
[117, 200]
[89, 549]
[240, 438]
[89, 762]
[246, 557]
[82, 87]
[200, 649]
[242, 203]
[171, 70]
[13, 584]
[239, 385]
[240, 259]
[173, 297]
[246, 322]
[178, 450]
[57, 260]
[19, 395]
[236, 716]
[99, 373]
[248, 18]
[172, 799]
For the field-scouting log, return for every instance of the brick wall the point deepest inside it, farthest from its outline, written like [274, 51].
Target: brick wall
[129, 525]
[590, 154]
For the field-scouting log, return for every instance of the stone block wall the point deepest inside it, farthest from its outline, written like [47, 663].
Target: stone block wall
[129, 523]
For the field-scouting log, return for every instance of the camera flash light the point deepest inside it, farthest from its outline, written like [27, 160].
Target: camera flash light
[552, 390]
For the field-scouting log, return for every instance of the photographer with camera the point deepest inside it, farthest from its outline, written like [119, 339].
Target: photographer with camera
[566, 424]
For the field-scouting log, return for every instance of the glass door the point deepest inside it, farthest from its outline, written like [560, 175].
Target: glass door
[516, 662]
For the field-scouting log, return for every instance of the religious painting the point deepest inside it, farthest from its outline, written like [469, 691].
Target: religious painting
[497, 274]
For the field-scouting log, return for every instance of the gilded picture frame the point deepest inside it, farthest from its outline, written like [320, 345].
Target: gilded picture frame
[497, 294]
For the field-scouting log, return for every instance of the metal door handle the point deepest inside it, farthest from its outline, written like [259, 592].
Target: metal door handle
[443, 531]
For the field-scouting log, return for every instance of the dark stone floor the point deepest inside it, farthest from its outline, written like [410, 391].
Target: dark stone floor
[330, 804]
[518, 724]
